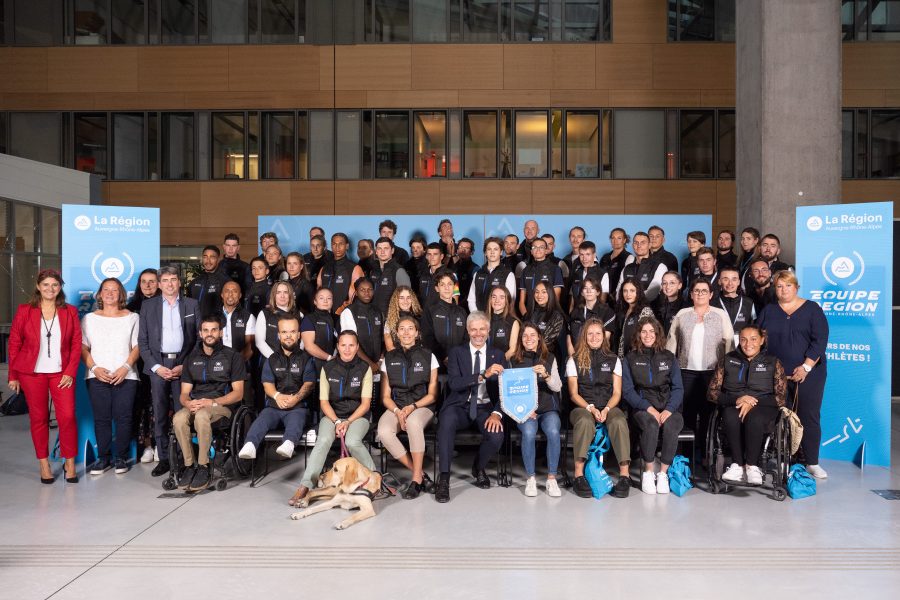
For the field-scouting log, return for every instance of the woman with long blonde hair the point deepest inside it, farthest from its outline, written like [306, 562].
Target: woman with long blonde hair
[403, 304]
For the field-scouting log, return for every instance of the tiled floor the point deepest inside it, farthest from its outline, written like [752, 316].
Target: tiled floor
[113, 536]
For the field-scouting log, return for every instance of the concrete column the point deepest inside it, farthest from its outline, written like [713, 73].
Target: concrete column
[788, 103]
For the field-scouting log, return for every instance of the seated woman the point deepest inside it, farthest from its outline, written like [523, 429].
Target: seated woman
[345, 396]
[548, 316]
[588, 304]
[532, 352]
[595, 386]
[409, 392]
[504, 324]
[631, 307]
[317, 331]
[651, 385]
[750, 387]
[403, 304]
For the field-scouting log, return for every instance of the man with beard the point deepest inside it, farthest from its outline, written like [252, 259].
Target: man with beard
[725, 245]
[288, 378]
[387, 273]
[232, 265]
[339, 274]
[769, 251]
[740, 308]
[510, 246]
[760, 290]
[464, 267]
[658, 250]
[206, 288]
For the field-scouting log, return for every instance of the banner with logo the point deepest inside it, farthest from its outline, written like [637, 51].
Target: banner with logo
[100, 242]
[518, 393]
[844, 263]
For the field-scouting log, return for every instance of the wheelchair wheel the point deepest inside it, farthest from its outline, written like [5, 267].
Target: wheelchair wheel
[221, 484]
[240, 425]
[169, 483]
[779, 493]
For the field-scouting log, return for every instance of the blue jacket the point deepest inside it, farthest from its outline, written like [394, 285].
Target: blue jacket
[460, 378]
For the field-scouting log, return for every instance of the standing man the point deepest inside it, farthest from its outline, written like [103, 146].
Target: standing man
[434, 257]
[530, 231]
[417, 261]
[339, 274]
[740, 308]
[464, 267]
[540, 269]
[725, 245]
[317, 256]
[642, 267]
[658, 250]
[239, 328]
[167, 332]
[365, 252]
[551, 255]
[769, 251]
[448, 244]
[387, 273]
[706, 263]
[511, 259]
[213, 380]
[614, 260]
[265, 240]
[576, 236]
[388, 229]
[206, 288]
[473, 400]
[587, 266]
[760, 290]
[232, 265]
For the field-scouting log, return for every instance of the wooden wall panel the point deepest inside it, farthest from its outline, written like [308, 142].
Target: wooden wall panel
[238, 203]
[654, 98]
[89, 70]
[863, 98]
[624, 66]
[639, 21]
[373, 67]
[141, 101]
[178, 202]
[715, 98]
[457, 66]
[872, 191]
[891, 98]
[393, 197]
[726, 202]
[504, 98]
[312, 198]
[45, 101]
[201, 236]
[23, 70]
[412, 99]
[261, 100]
[183, 69]
[579, 98]
[282, 67]
[693, 66]
[648, 197]
[577, 197]
[574, 67]
[527, 67]
[465, 197]
[872, 65]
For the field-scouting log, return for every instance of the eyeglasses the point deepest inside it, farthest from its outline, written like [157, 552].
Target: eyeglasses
[701, 292]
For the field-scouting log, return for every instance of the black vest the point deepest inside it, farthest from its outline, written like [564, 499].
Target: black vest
[551, 326]
[465, 274]
[345, 385]
[384, 281]
[447, 327]
[651, 373]
[547, 398]
[326, 335]
[534, 273]
[665, 311]
[288, 371]
[272, 326]
[739, 309]
[642, 272]
[336, 276]
[238, 326]
[614, 267]
[211, 375]
[427, 282]
[580, 315]
[484, 281]
[313, 264]
[304, 292]
[369, 328]
[501, 331]
[579, 277]
[596, 385]
[409, 373]
[752, 378]
[257, 296]
[206, 289]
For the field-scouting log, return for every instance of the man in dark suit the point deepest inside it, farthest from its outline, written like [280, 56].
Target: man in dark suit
[473, 400]
[166, 334]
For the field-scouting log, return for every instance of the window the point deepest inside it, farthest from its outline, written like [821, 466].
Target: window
[50, 237]
[178, 146]
[2, 132]
[582, 144]
[128, 143]
[639, 144]
[861, 143]
[179, 21]
[90, 143]
[387, 21]
[91, 22]
[727, 139]
[847, 144]
[38, 22]
[429, 20]
[128, 24]
[531, 143]
[531, 21]
[586, 20]
[278, 145]
[701, 20]
[697, 128]
[321, 142]
[480, 143]
[875, 20]
[483, 20]
[25, 234]
[392, 145]
[430, 139]
[228, 153]
[36, 136]
[228, 21]
[275, 21]
[347, 144]
[885, 154]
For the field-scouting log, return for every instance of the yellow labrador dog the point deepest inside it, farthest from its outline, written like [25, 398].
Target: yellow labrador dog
[347, 485]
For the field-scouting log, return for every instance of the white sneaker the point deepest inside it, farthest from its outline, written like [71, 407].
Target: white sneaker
[553, 488]
[817, 471]
[734, 474]
[662, 483]
[648, 482]
[311, 437]
[531, 487]
[155, 454]
[754, 475]
[147, 456]
[286, 449]
[248, 452]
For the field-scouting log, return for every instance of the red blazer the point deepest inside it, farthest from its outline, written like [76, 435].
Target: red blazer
[25, 340]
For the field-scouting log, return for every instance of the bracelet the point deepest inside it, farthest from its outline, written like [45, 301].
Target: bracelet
[275, 397]
[126, 366]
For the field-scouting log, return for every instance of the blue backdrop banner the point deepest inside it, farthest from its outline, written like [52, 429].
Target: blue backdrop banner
[844, 263]
[100, 242]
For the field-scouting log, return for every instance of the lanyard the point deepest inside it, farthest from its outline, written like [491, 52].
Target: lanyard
[49, 330]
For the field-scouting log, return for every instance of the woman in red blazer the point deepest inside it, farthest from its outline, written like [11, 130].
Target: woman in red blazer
[44, 350]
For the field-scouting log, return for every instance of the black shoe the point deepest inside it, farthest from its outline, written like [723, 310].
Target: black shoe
[185, 476]
[623, 486]
[442, 490]
[427, 484]
[412, 491]
[200, 480]
[481, 479]
[100, 467]
[582, 488]
[161, 468]
[122, 466]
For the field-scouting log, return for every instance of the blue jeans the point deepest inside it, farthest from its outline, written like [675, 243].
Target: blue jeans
[292, 419]
[549, 423]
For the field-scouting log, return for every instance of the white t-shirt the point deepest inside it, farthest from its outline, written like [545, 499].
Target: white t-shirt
[572, 370]
[695, 356]
[49, 358]
[110, 340]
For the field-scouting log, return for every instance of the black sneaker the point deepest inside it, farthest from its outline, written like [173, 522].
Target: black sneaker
[100, 467]
[161, 468]
[582, 487]
[427, 484]
[200, 480]
[623, 486]
[122, 466]
[185, 476]
[412, 491]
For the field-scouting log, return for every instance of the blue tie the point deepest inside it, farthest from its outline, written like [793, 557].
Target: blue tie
[473, 395]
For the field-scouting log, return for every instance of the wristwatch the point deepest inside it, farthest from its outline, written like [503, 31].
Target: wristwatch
[806, 367]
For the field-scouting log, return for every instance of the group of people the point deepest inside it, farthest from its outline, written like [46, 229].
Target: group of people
[631, 339]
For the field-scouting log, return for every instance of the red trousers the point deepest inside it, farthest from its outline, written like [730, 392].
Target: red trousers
[37, 387]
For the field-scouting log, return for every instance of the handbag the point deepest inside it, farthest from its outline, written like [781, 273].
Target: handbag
[14, 405]
[790, 414]
[679, 476]
[596, 475]
[800, 483]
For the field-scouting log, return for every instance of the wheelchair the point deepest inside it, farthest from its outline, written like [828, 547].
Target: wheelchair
[775, 459]
[228, 436]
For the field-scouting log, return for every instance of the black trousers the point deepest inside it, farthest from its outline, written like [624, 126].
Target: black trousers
[695, 406]
[809, 409]
[453, 418]
[746, 439]
[165, 399]
[650, 432]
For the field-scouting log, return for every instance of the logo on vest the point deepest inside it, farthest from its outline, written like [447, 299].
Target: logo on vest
[664, 365]
[355, 381]
[218, 366]
[418, 367]
[239, 323]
